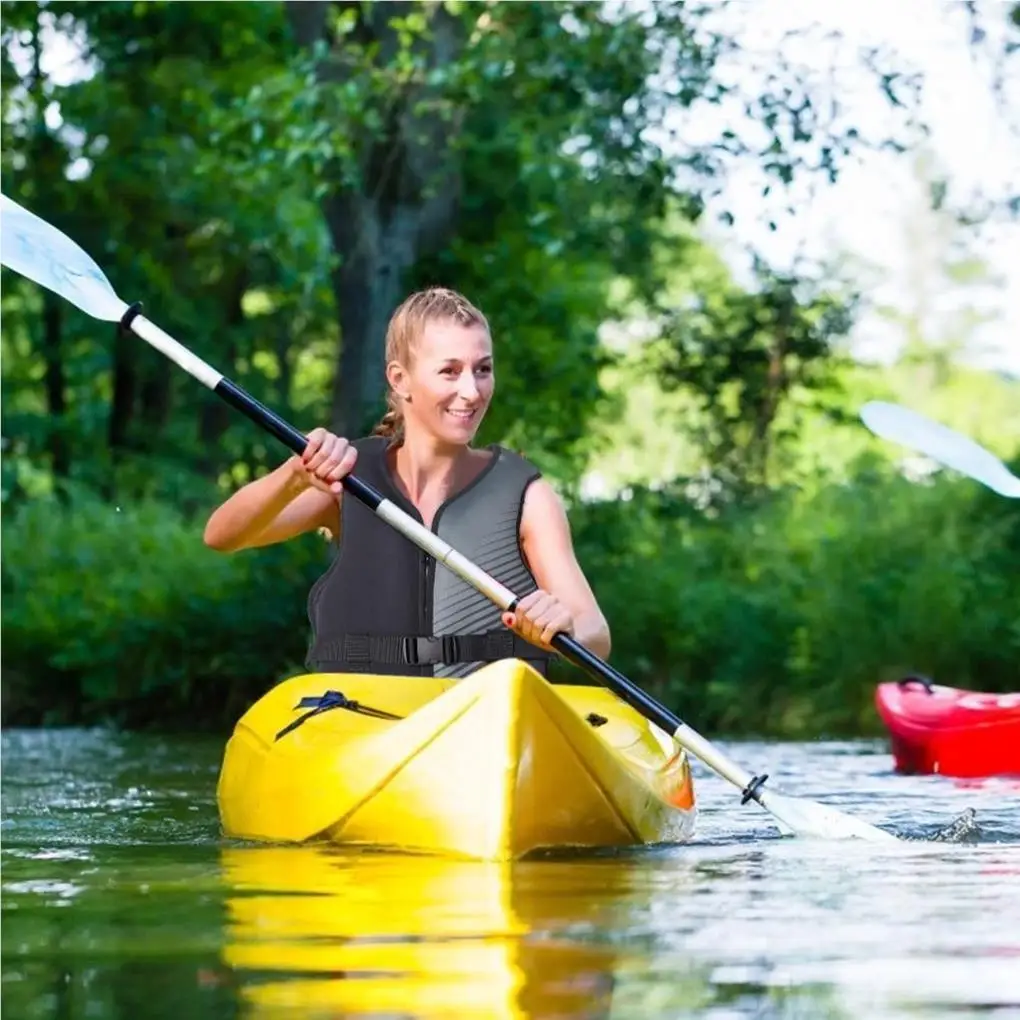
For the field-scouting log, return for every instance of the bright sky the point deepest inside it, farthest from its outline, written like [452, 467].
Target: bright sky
[864, 213]
[867, 212]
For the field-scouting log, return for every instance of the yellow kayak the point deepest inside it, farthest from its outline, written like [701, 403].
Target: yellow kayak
[490, 767]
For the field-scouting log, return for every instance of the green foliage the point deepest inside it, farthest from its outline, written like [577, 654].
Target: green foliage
[480, 146]
[271, 178]
[124, 615]
[744, 357]
[242, 276]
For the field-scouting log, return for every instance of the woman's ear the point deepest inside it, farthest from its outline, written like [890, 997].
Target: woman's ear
[396, 376]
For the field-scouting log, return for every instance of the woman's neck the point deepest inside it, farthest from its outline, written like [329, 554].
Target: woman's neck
[427, 467]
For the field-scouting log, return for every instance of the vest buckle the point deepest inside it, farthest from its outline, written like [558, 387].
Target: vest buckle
[451, 648]
[410, 650]
[426, 651]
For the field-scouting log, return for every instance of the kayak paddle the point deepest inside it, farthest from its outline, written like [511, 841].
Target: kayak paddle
[942, 444]
[37, 250]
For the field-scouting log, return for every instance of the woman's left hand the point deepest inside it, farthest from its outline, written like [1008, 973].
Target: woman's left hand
[539, 617]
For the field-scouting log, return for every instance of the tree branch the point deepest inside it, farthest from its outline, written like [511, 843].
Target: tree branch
[307, 20]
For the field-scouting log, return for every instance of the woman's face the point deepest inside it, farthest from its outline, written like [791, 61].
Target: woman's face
[450, 381]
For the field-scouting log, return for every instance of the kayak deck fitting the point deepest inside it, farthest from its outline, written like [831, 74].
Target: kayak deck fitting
[491, 767]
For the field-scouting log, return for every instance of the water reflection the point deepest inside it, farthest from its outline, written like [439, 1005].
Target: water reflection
[311, 930]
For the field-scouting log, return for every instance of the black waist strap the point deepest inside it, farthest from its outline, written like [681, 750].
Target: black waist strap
[411, 650]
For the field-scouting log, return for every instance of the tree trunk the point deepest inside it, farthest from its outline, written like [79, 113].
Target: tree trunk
[125, 383]
[56, 387]
[403, 206]
[215, 417]
[213, 421]
[367, 285]
[42, 152]
[155, 403]
[137, 395]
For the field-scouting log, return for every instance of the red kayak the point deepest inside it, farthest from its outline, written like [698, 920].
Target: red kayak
[952, 732]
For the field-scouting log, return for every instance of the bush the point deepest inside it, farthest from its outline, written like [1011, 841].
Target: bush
[128, 617]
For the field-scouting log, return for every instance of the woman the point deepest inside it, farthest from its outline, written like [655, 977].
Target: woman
[382, 606]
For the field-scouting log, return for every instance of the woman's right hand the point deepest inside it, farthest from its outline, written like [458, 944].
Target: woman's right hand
[326, 460]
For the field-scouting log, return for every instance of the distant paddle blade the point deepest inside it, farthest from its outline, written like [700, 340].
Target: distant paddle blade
[811, 819]
[35, 249]
[942, 444]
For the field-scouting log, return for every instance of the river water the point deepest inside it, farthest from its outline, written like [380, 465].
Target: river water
[121, 900]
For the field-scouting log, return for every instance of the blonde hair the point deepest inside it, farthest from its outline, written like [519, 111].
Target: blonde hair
[406, 326]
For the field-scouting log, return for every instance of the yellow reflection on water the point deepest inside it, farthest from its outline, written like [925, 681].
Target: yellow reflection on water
[312, 931]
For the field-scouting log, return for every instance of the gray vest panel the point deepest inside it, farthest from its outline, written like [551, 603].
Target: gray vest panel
[484, 524]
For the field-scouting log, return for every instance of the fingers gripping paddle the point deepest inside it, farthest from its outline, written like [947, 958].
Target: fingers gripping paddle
[40, 252]
[942, 444]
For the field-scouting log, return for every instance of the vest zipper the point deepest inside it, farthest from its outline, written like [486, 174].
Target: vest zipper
[430, 577]
[428, 571]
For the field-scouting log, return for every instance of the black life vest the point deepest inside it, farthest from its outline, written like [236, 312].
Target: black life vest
[385, 606]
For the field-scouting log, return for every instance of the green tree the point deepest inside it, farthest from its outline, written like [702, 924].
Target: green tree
[270, 179]
[524, 152]
[746, 357]
[127, 135]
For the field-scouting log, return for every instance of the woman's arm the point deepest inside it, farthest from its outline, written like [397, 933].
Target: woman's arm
[302, 494]
[549, 550]
[271, 509]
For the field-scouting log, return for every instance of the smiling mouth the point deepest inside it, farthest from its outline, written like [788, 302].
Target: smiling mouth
[463, 415]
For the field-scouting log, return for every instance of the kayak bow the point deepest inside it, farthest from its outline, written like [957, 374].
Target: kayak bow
[453, 767]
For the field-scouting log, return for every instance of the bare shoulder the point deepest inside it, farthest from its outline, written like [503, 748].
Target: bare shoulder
[543, 509]
[540, 495]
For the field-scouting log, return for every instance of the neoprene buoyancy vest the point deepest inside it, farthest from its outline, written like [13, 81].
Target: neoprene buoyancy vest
[385, 606]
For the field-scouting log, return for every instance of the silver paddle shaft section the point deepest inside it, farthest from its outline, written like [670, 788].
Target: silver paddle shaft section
[713, 757]
[445, 553]
[176, 352]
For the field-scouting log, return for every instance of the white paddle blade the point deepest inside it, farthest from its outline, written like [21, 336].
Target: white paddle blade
[819, 821]
[794, 816]
[35, 249]
[942, 444]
